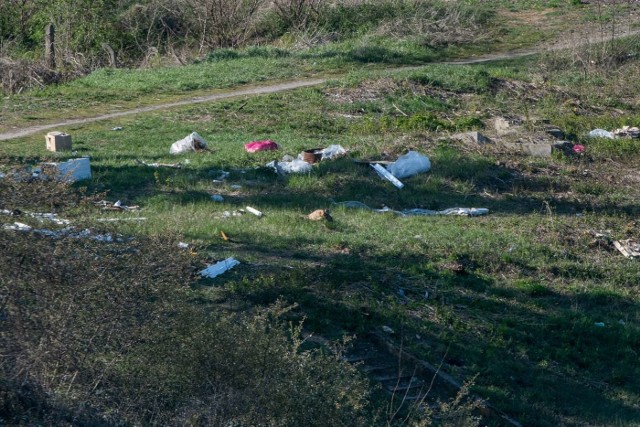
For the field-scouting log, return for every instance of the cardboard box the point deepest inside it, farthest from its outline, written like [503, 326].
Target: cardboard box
[58, 141]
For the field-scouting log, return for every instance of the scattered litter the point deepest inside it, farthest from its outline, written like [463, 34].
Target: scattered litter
[183, 245]
[58, 141]
[599, 324]
[219, 268]
[294, 166]
[139, 218]
[600, 133]
[254, 211]
[72, 170]
[418, 212]
[217, 198]
[224, 236]
[578, 148]
[39, 216]
[65, 232]
[409, 164]
[18, 226]
[311, 156]
[160, 165]
[332, 152]
[387, 329]
[229, 214]
[621, 322]
[319, 215]
[401, 293]
[116, 206]
[235, 187]
[386, 175]
[628, 248]
[193, 142]
[265, 145]
[631, 132]
[117, 128]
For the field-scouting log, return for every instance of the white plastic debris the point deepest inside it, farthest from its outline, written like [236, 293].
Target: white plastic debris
[254, 211]
[183, 245]
[18, 226]
[332, 152]
[409, 164]
[219, 268]
[600, 133]
[386, 175]
[628, 248]
[294, 166]
[72, 170]
[39, 216]
[418, 212]
[192, 142]
[65, 232]
[387, 329]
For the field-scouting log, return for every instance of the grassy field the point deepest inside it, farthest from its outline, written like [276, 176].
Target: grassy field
[532, 299]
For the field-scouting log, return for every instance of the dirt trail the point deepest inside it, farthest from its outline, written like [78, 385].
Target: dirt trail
[584, 39]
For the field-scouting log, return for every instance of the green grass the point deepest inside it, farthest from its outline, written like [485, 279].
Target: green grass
[513, 297]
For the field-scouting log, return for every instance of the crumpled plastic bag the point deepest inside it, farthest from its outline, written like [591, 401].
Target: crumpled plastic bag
[409, 164]
[600, 133]
[332, 152]
[294, 166]
[265, 145]
[192, 142]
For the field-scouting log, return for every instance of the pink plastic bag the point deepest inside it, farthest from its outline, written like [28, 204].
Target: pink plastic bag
[265, 145]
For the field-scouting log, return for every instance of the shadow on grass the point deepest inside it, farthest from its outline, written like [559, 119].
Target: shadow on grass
[538, 350]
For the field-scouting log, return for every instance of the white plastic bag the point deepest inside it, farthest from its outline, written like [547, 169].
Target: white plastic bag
[410, 164]
[294, 166]
[192, 142]
[332, 152]
[601, 133]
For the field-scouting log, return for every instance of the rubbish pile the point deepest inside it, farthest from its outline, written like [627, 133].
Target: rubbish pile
[302, 163]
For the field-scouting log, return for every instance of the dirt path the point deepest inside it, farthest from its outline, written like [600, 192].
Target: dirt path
[583, 39]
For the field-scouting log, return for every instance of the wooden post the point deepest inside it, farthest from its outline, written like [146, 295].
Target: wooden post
[49, 46]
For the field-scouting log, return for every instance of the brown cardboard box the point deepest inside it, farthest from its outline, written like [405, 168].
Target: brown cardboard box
[58, 141]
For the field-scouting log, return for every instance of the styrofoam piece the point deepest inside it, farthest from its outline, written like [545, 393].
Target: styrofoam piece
[73, 170]
[219, 268]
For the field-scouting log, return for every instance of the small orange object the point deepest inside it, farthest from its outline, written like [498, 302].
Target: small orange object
[224, 236]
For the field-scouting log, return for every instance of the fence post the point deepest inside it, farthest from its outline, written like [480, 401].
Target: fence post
[49, 46]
